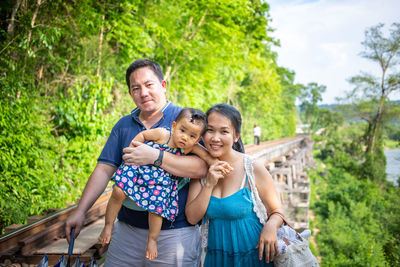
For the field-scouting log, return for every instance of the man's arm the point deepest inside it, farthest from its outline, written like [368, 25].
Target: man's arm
[184, 166]
[181, 166]
[95, 186]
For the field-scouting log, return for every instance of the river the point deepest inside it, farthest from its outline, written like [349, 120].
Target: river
[392, 164]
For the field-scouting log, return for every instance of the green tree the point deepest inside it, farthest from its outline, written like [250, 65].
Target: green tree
[371, 94]
[329, 120]
[309, 97]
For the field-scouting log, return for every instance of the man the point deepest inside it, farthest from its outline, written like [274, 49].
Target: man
[178, 242]
[257, 134]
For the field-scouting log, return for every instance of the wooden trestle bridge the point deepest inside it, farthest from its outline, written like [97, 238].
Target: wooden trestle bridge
[287, 160]
[25, 245]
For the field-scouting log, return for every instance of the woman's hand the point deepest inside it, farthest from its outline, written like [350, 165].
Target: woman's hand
[226, 168]
[217, 171]
[268, 243]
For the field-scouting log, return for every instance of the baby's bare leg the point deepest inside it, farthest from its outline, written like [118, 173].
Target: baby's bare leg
[155, 222]
[114, 205]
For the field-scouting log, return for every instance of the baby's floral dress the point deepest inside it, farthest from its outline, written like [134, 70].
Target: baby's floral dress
[152, 188]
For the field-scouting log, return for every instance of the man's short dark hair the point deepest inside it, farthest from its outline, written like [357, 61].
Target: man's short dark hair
[142, 63]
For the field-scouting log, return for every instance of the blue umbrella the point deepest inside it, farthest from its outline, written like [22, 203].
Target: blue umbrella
[71, 247]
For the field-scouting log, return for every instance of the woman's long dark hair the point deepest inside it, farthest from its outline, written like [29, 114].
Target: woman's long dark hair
[236, 119]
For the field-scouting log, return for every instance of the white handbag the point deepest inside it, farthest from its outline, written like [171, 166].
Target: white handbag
[297, 254]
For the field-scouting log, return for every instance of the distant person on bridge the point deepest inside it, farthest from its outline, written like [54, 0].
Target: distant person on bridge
[178, 243]
[240, 231]
[257, 134]
[149, 186]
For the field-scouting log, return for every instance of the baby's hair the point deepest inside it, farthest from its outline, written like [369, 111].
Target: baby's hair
[195, 116]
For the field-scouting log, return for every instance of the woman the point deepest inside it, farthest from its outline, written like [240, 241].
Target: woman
[237, 236]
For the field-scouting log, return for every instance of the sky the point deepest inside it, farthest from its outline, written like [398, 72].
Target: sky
[321, 39]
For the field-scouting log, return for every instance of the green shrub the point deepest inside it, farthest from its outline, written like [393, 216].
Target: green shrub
[43, 166]
[29, 161]
[358, 218]
[80, 111]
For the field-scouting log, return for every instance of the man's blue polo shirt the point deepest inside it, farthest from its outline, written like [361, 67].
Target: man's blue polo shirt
[121, 136]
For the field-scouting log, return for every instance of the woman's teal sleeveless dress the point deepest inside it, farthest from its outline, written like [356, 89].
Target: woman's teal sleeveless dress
[233, 232]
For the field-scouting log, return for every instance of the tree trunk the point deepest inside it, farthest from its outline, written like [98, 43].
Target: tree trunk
[373, 133]
[167, 72]
[100, 42]
[100, 53]
[38, 3]
[11, 26]
[377, 120]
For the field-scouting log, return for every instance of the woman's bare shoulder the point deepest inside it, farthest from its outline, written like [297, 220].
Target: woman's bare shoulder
[260, 171]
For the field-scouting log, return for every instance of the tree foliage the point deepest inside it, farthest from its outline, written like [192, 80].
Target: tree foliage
[310, 113]
[62, 68]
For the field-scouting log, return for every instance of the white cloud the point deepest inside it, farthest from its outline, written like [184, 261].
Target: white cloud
[321, 40]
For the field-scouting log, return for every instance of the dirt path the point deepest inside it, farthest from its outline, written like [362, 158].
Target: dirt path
[314, 231]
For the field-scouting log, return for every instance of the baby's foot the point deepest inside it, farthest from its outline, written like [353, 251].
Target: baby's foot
[151, 250]
[105, 235]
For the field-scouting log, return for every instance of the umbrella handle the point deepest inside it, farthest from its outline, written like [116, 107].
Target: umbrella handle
[71, 243]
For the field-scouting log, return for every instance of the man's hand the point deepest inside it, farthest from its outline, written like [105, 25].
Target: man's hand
[96, 184]
[74, 221]
[140, 154]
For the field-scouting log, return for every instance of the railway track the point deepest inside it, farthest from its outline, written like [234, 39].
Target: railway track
[254, 148]
[27, 245]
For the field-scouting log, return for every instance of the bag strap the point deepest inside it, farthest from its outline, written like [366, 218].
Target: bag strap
[204, 224]
[258, 206]
[280, 214]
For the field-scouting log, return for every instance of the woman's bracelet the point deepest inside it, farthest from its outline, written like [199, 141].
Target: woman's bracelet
[280, 214]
